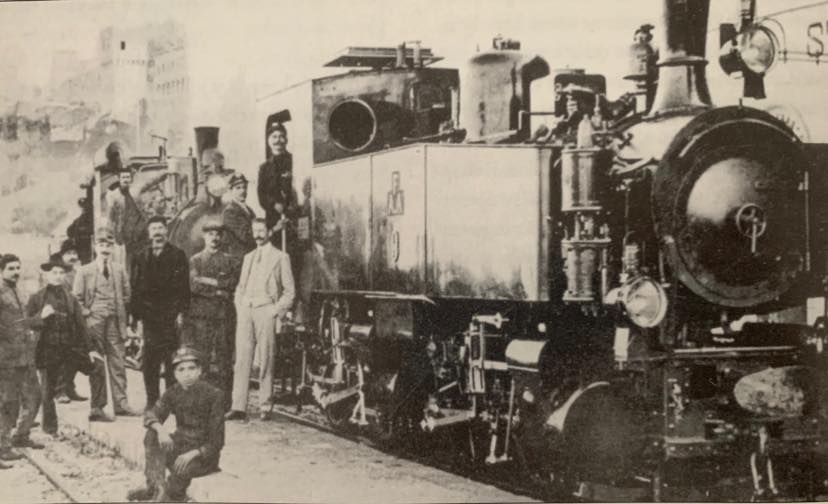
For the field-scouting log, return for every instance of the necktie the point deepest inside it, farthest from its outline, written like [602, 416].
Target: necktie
[106, 270]
[259, 256]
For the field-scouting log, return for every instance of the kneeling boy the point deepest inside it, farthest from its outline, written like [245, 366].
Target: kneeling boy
[193, 449]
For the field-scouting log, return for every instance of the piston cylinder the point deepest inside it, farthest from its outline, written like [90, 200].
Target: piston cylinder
[582, 259]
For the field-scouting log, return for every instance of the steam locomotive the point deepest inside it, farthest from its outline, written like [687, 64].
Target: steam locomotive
[617, 302]
[625, 308]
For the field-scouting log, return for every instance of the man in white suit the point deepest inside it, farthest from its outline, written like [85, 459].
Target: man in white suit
[263, 296]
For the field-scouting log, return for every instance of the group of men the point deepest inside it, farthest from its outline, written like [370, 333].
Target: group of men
[204, 315]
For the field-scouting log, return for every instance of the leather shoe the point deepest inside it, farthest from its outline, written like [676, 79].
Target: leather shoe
[26, 443]
[9, 455]
[141, 494]
[99, 416]
[63, 399]
[76, 397]
[265, 415]
[4, 466]
[126, 412]
[236, 415]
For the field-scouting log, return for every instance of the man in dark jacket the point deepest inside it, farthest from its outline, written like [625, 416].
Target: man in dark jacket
[160, 283]
[195, 447]
[18, 376]
[211, 329]
[237, 218]
[62, 340]
[275, 182]
[66, 391]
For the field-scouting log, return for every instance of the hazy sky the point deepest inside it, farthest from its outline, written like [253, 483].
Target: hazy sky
[283, 41]
[279, 41]
[262, 45]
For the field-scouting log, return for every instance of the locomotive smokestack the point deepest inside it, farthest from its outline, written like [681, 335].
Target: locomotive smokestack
[206, 137]
[682, 83]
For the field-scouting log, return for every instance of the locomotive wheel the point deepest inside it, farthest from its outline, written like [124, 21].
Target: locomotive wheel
[339, 414]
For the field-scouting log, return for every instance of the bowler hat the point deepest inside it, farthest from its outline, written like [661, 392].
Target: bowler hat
[237, 179]
[185, 354]
[55, 261]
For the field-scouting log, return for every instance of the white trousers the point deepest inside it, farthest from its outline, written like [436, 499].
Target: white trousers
[254, 327]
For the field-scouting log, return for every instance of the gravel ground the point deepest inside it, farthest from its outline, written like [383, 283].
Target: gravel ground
[87, 471]
[24, 483]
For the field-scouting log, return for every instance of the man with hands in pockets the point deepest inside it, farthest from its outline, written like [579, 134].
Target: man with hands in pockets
[263, 297]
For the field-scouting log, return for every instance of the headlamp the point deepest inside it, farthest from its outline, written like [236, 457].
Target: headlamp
[757, 48]
[216, 185]
[645, 301]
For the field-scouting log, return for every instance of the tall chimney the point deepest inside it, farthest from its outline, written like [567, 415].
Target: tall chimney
[682, 84]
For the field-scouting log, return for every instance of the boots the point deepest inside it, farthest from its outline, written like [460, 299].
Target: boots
[148, 494]
[8, 455]
[26, 442]
[141, 494]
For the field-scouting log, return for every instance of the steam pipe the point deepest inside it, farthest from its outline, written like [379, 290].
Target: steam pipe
[682, 83]
[400, 56]
[418, 55]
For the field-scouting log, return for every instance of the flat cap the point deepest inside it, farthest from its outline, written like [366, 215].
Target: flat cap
[157, 218]
[185, 354]
[237, 179]
[213, 225]
[104, 234]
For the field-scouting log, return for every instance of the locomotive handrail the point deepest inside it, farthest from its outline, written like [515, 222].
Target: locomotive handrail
[378, 295]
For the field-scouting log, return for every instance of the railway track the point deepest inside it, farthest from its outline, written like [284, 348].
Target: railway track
[499, 476]
[51, 476]
[311, 417]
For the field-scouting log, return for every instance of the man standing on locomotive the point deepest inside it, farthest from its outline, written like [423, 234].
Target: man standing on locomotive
[103, 290]
[195, 447]
[213, 277]
[160, 284]
[275, 182]
[263, 297]
[81, 229]
[125, 216]
[237, 218]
